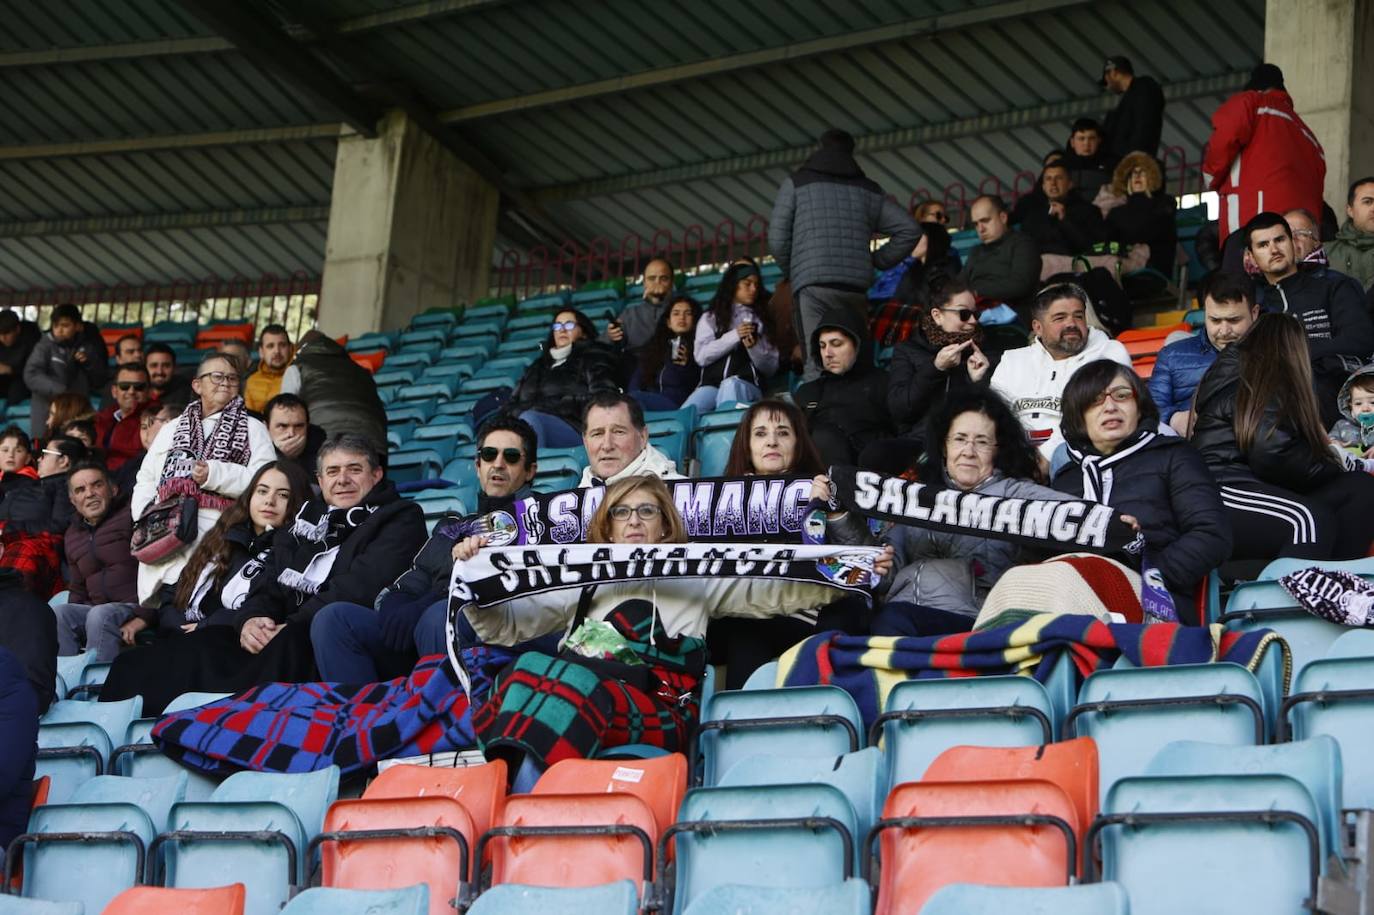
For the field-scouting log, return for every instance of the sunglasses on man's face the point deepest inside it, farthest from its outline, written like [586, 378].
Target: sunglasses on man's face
[132, 385]
[511, 455]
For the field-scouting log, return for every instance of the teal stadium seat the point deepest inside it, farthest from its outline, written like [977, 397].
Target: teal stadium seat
[468, 349]
[923, 718]
[1104, 898]
[851, 897]
[440, 319]
[713, 451]
[437, 505]
[800, 837]
[321, 900]
[424, 335]
[18, 905]
[544, 302]
[414, 466]
[792, 722]
[1334, 697]
[76, 739]
[457, 431]
[139, 757]
[418, 411]
[367, 343]
[428, 390]
[498, 313]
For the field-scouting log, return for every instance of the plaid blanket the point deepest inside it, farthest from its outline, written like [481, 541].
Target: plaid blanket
[302, 727]
[868, 667]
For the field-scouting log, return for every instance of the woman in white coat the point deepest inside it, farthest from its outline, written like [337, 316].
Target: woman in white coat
[210, 453]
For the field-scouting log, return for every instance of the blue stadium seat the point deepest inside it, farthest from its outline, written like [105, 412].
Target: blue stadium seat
[526, 346]
[713, 450]
[457, 409]
[323, 900]
[255, 825]
[437, 505]
[584, 297]
[118, 817]
[414, 410]
[670, 439]
[851, 897]
[18, 905]
[861, 777]
[468, 349]
[413, 466]
[505, 365]
[527, 334]
[1104, 898]
[475, 329]
[497, 313]
[1253, 847]
[139, 757]
[445, 448]
[578, 454]
[559, 463]
[1265, 605]
[407, 359]
[462, 471]
[797, 721]
[424, 335]
[76, 738]
[452, 372]
[485, 384]
[367, 343]
[398, 377]
[1133, 712]
[923, 718]
[427, 390]
[808, 844]
[544, 302]
[702, 285]
[463, 404]
[457, 431]
[1334, 697]
[439, 319]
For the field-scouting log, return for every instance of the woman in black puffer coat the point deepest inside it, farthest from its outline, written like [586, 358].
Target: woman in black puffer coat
[572, 369]
[1118, 457]
[1257, 423]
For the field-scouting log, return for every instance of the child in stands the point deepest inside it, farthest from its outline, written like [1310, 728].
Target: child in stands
[1355, 430]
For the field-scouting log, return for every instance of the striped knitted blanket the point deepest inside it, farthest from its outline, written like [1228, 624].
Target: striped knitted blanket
[302, 727]
[868, 667]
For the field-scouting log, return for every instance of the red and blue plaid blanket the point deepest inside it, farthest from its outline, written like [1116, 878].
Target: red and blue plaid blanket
[867, 667]
[302, 727]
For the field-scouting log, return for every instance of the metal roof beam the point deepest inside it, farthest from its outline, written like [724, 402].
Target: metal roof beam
[413, 12]
[254, 136]
[153, 222]
[282, 58]
[924, 27]
[789, 158]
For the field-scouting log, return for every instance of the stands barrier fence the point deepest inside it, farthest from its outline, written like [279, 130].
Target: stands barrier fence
[291, 301]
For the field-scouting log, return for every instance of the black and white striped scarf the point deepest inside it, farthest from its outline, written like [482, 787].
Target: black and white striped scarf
[1097, 468]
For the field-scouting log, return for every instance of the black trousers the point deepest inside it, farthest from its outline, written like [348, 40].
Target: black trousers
[1335, 521]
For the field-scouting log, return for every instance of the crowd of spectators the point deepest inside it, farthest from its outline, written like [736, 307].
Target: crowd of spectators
[232, 525]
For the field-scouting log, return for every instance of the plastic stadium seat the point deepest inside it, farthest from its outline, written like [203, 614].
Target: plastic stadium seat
[660, 782]
[1089, 899]
[418, 411]
[18, 905]
[396, 376]
[1133, 712]
[365, 343]
[485, 383]
[449, 372]
[463, 471]
[468, 350]
[453, 430]
[538, 334]
[572, 840]
[157, 900]
[497, 313]
[860, 777]
[445, 448]
[414, 360]
[480, 789]
[471, 328]
[1315, 763]
[1020, 832]
[713, 450]
[1333, 697]
[117, 818]
[413, 466]
[438, 390]
[1070, 764]
[808, 844]
[424, 335]
[403, 841]
[923, 718]
[1243, 843]
[442, 319]
[413, 900]
[1355, 643]
[140, 758]
[76, 738]
[850, 897]
[583, 297]
[797, 721]
[528, 346]
[437, 505]
[255, 826]
[558, 299]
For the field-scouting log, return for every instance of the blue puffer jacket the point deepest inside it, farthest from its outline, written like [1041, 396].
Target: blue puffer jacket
[1178, 369]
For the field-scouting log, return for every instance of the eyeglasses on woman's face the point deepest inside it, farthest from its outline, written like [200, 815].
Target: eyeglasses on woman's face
[221, 379]
[1119, 394]
[646, 511]
[959, 441]
[564, 325]
[963, 314]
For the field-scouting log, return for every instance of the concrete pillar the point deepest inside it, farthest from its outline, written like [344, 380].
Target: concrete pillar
[1326, 51]
[410, 227]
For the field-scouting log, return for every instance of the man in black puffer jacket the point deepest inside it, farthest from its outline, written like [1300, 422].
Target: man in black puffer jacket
[823, 222]
[846, 407]
[341, 394]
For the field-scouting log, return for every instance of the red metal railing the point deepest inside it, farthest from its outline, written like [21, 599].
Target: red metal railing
[291, 301]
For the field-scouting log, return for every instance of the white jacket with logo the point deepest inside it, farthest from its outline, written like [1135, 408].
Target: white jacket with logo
[1032, 381]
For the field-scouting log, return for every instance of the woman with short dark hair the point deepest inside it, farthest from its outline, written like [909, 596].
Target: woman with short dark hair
[573, 366]
[1118, 457]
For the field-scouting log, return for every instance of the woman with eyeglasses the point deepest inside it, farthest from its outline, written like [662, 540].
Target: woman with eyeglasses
[663, 623]
[668, 370]
[572, 368]
[43, 506]
[210, 453]
[733, 343]
[1118, 457]
[947, 354]
[1288, 491]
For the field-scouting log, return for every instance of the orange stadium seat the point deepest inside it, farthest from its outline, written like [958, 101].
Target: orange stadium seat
[480, 789]
[371, 361]
[157, 900]
[659, 782]
[582, 856]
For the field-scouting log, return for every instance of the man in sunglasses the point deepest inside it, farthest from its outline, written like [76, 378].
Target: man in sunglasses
[357, 644]
[116, 426]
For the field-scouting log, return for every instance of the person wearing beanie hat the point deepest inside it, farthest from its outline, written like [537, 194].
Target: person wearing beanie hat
[823, 220]
[1261, 155]
[1138, 119]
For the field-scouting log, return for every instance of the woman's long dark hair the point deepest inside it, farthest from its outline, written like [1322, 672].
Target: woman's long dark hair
[1276, 371]
[806, 460]
[1016, 456]
[722, 304]
[1082, 389]
[584, 323]
[213, 549]
[655, 352]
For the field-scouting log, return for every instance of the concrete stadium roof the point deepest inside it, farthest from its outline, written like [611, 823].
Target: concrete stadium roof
[157, 139]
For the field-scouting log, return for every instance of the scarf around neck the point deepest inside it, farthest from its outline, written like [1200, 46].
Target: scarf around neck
[1097, 468]
[318, 542]
[227, 443]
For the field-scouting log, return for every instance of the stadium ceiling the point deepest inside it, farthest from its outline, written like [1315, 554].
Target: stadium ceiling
[157, 139]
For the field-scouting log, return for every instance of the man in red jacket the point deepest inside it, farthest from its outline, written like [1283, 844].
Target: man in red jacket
[116, 426]
[1261, 156]
[104, 577]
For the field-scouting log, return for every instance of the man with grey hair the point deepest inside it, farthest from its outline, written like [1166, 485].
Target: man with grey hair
[1307, 237]
[346, 544]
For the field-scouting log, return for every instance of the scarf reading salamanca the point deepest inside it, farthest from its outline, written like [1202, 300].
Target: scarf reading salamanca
[228, 443]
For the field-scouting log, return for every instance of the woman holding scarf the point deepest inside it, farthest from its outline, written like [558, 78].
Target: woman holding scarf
[663, 623]
[1118, 458]
[211, 453]
[946, 354]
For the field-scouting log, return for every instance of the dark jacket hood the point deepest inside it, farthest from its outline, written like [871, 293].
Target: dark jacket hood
[847, 322]
[831, 160]
[1343, 399]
